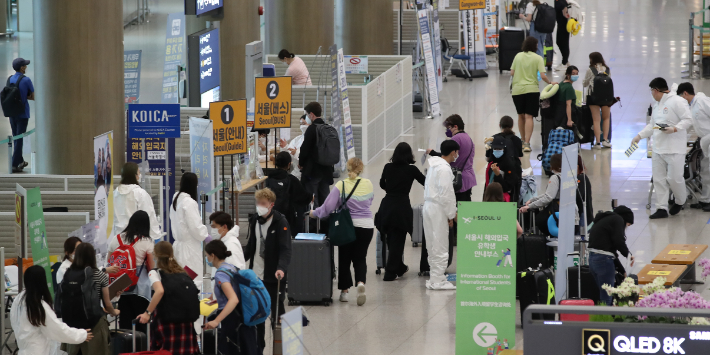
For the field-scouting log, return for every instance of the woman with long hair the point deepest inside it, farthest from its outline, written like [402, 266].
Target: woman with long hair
[178, 338]
[137, 234]
[37, 328]
[69, 245]
[394, 219]
[128, 198]
[186, 226]
[601, 122]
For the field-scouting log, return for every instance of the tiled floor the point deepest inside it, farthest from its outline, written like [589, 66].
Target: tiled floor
[639, 39]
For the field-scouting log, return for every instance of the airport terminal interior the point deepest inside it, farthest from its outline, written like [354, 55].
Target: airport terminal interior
[640, 40]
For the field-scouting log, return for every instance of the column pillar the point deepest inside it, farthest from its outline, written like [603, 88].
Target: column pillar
[78, 59]
[364, 26]
[4, 21]
[300, 26]
[239, 27]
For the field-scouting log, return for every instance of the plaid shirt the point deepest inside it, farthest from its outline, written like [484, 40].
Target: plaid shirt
[178, 338]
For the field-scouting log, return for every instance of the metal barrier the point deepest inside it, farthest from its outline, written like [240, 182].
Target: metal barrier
[9, 141]
[203, 211]
[691, 63]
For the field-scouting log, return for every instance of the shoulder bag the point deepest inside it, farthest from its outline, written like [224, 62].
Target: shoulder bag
[458, 173]
[341, 230]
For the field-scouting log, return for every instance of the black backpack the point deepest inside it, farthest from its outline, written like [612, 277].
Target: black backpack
[603, 89]
[281, 188]
[328, 145]
[181, 303]
[77, 299]
[545, 18]
[11, 99]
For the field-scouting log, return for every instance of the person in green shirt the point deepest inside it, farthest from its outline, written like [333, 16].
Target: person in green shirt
[567, 95]
[525, 88]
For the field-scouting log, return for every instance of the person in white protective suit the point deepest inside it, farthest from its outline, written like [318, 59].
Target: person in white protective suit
[128, 198]
[294, 147]
[700, 111]
[669, 123]
[439, 212]
[187, 227]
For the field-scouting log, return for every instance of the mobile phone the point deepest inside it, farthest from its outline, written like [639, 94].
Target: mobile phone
[211, 302]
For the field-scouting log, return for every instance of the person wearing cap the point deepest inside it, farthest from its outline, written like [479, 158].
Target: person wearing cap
[607, 237]
[503, 168]
[19, 123]
[700, 109]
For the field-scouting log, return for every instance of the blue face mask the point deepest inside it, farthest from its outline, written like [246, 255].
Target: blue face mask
[497, 153]
[574, 78]
[208, 262]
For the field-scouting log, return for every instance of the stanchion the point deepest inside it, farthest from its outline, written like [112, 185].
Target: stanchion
[691, 50]
[9, 154]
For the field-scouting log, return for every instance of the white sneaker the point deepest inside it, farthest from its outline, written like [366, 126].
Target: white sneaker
[562, 67]
[428, 285]
[446, 285]
[597, 146]
[343, 297]
[361, 297]
[606, 144]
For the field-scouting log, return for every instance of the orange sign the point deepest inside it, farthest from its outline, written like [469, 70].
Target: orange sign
[472, 4]
[18, 209]
[272, 102]
[229, 127]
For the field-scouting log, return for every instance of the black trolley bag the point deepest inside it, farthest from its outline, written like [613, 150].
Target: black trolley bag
[310, 274]
[381, 252]
[510, 43]
[122, 341]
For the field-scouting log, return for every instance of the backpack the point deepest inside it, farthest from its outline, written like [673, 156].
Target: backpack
[77, 299]
[254, 299]
[545, 18]
[557, 139]
[11, 99]
[328, 145]
[603, 89]
[181, 303]
[281, 188]
[125, 258]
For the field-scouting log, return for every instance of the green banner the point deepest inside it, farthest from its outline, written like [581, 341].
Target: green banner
[485, 277]
[38, 233]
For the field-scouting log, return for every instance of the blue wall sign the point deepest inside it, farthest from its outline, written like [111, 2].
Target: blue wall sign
[207, 5]
[174, 57]
[131, 76]
[209, 60]
[154, 121]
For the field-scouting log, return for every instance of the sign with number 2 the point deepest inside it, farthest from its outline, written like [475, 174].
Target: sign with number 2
[272, 102]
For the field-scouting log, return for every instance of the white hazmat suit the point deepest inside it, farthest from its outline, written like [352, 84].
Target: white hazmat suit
[127, 199]
[700, 109]
[189, 233]
[669, 149]
[439, 208]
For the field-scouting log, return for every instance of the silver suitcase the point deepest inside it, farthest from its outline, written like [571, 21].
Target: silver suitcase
[418, 220]
[310, 276]
[381, 253]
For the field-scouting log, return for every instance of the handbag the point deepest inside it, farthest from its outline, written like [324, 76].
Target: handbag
[458, 173]
[341, 230]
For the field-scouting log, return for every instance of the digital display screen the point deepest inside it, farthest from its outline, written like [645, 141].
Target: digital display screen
[209, 96]
[209, 60]
[207, 5]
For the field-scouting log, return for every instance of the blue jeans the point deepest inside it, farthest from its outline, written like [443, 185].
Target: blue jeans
[604, 272]
[540, 39]
[19, 126]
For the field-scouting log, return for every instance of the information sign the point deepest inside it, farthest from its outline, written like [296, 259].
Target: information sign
[209, 60]
[174, 55]
[154, 121]
[355, 64]
[471, 4]
[38, 233]
[272, 102]
[229, 119]
[131, 76]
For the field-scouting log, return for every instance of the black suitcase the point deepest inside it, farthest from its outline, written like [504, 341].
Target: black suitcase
[535, 288]
[381, 252]
[121, 340]
[310, 277]
[590, 289]
[510, 43]
[548, 51]
[209, 341]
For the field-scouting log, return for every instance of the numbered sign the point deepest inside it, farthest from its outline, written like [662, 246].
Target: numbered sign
[272, 102]
[229, 127]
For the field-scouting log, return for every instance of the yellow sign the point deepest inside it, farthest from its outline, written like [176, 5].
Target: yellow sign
[659, 273]
[18, 209]
[229, 127]
[472, 4]
[679, 252]
[272, 102]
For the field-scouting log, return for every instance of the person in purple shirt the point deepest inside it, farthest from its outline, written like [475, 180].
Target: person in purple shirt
[19, 123]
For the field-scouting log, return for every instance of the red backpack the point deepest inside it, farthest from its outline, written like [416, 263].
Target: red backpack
[125, 258]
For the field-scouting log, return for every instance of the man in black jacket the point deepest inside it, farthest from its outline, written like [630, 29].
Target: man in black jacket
[606, 238]
[316, 178]
[268, 251]
[291, 198]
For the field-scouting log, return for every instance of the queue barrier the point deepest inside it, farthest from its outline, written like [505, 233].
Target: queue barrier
[9, 141]
[703, 37]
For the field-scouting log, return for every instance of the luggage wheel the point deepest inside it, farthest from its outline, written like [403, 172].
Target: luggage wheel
[648, 206]
[326, 303]
[378, 271]
[415, 244]
[445, 80]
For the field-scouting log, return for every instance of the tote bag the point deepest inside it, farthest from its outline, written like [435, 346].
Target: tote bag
[341, 230]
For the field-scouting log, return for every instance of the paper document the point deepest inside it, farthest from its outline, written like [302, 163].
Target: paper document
[310, 236]
[119, 284]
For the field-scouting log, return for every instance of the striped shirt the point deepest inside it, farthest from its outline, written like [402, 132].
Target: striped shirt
[100, 281]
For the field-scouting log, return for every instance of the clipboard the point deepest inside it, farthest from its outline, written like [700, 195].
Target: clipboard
[120, 284]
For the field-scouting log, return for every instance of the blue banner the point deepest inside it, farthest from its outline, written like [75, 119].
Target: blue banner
[131, 76]
[207, 5]
[154, 120]
[174, 57]
[209, 60]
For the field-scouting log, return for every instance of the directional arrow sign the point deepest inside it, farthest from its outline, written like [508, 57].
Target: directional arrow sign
[485, 334]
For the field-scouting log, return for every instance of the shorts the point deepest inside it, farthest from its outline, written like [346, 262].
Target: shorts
[590, 101]
[528, 104]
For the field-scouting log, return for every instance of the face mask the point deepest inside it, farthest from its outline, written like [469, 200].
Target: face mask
[308, 120]
[214, 232]
[457, 157]
[262, 140]
[574, 77]
[497, 153]
[448, 133]
[303, 128]
[208, 262]
[262, 211]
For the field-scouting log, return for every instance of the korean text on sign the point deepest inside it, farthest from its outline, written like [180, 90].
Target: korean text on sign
[272, 102]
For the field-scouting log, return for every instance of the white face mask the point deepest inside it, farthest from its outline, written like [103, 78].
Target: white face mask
[262, 211]
[308, 120]
[262, 140]
[303, 128]
[214, 232]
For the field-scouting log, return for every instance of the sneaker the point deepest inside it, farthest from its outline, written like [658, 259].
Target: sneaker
[361, 297]
[423, 273]
[446, 285]
[23, 165]
[700, 205]
[343, 296]
[706, 208]
[16, 169]
[675, 209]
[526, 147]
[597, 146]
[660, 213]
[606, 144]
[562, 67]
[406, 268]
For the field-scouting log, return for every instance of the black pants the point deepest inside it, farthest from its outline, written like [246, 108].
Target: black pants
[316, 186]
[423, 260]
[271, 288]
[131, 306]
[354, 253]
[396, 238]
[235, 337]
[563, 41]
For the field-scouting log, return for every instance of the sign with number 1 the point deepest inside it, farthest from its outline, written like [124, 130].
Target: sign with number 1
[229, 119]
[272, 102]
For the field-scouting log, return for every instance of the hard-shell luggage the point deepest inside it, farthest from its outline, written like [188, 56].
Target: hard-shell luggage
[590, 289]
[548, 51]
[209, 341]
[381, 252]
[581, 279]
[418, 221]
[310, 273]
[533, 252]
[536, 287]
[510, 44]
[123, 341]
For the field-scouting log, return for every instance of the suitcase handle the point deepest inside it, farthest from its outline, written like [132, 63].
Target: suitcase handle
[147, 334]
[215, 339]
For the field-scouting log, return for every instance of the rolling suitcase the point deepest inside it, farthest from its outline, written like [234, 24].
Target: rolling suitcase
[533, 252]
[140, 343]
[418, 221]
[123, 341]
[510, 44]
[310, 274]
[209, 341]
[574, 300]
[548, 51]
[381, 252]
[536, 287]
